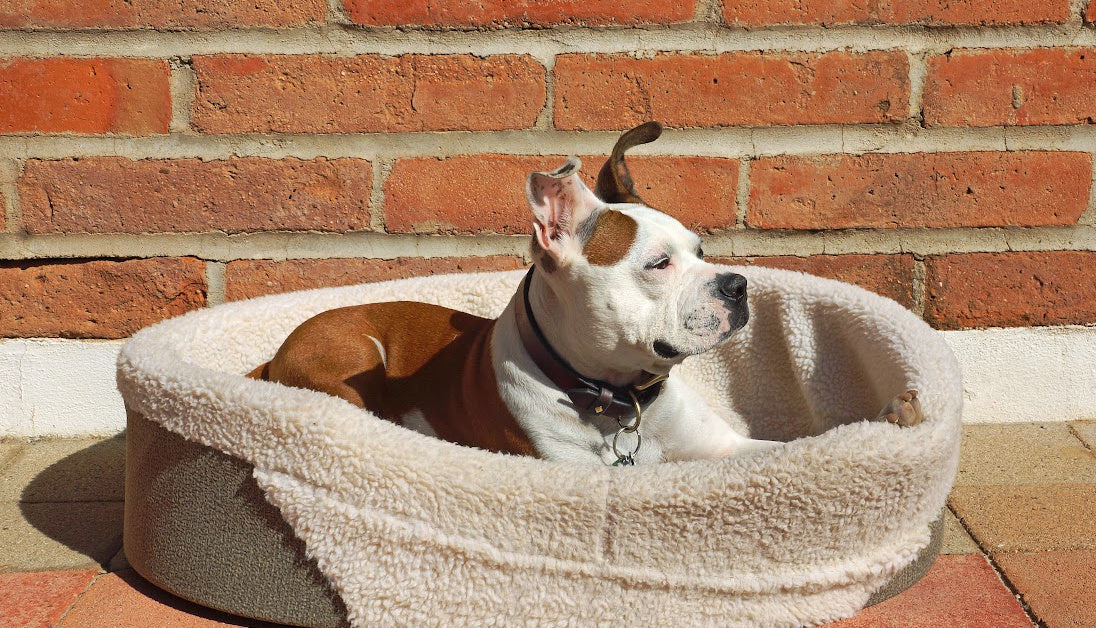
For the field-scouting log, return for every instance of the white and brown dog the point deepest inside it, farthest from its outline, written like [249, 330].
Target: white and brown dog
[579, 365]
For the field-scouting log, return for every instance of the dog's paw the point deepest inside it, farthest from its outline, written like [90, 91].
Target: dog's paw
[904, 410]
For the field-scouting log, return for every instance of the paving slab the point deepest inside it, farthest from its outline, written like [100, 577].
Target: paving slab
[956, 539]
[125, 600]
[66, 470]
[1086, 431]
[1028, 518]
[1057, 586]
[958, 592]
[9, 449]
[1023, 453]
[38, 599]
[41, 537]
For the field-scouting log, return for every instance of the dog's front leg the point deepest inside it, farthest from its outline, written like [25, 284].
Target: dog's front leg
[692, 430]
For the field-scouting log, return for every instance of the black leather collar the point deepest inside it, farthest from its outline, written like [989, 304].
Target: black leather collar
[589, 395]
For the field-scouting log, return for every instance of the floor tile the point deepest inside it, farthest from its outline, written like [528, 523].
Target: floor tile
[38, 599]
[9, 449]
[1085, 431]
[66, 470]
[958, 592]
[40, 537]
[956, 540]
[125, 600]
[1028, 518]
[1057, 586]
[1023, 453]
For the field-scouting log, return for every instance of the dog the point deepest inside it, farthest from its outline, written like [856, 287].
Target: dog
[578, 368]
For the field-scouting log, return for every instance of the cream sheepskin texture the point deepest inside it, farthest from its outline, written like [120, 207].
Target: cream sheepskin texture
[414, 531]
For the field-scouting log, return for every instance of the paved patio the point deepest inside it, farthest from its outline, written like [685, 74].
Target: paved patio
[1019, 543]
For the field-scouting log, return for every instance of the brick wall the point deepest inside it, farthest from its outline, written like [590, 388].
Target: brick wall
[158, 156]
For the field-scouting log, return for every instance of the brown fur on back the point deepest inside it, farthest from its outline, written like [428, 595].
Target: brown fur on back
[436, 361]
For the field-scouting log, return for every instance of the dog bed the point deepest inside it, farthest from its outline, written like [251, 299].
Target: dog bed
[293, 506]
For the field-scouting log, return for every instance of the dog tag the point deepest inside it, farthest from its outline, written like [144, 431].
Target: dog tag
[625, 460]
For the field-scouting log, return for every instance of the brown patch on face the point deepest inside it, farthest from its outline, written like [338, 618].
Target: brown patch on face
[611, 239]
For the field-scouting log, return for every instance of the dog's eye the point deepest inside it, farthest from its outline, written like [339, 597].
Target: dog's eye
[660, 264]
[700, 253]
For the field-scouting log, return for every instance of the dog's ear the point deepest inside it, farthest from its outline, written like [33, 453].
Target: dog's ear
[560, 203]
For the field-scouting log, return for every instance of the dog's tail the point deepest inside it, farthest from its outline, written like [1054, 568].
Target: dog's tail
[614, 181]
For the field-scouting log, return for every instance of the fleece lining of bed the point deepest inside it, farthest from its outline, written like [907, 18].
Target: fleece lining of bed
[406, 529]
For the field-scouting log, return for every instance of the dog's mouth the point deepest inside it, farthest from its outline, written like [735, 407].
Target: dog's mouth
[737, 320]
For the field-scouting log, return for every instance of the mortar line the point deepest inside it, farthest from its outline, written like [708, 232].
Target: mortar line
[10, 172]
[337, 13]
[220, 247]
[715, 142]
[215, 283]
[918, 67]
[742, 194]
[345, 39]
[708, 11]
[382, 168]
[182, 85]
[1077, 8]
[546, 120]
[919, 289]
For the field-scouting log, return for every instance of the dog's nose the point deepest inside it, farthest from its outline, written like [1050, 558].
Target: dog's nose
[732, 286]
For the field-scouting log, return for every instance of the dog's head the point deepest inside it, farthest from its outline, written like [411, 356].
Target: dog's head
[630, 282]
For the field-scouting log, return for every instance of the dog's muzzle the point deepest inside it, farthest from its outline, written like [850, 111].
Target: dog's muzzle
[731, 288]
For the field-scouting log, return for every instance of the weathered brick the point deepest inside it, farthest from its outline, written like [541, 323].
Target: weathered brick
[1007, 87]
[66, 95]
[983, 189]
[118, 195]
[366, 94]
[96, 299]
[1017, 289]
[922, 12]
[107, 14]
[889, 275]
[501, 13]
[1089, 14]
[486, 193]
[742, 88]
[252, 278]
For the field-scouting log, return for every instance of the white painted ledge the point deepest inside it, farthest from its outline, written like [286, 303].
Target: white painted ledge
[54, 387]
[1023, 374]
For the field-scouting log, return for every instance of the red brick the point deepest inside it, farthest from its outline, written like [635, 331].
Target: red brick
[741, 88]
[889, 275]
[501, 13]
[1011, 87]
[66, 95]
[1017, 289]
[125, 600]
[486, 193]
[38, 599]
[118, 195]
[366, 94]
[1089, 15]
[1057, 586]
[986, 189]
[97, 299]
[923, 12]
[34, 14]
[959, 592]
[252, 278]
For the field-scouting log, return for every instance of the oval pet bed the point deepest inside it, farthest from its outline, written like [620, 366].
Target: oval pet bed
[289, 505]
